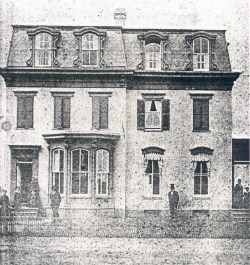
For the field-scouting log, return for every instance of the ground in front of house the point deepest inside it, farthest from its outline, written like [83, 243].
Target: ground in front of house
[101, 251]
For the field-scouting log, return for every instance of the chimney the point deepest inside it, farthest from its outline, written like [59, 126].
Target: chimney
[120, 16]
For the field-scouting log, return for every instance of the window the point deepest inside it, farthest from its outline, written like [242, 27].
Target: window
[61, 112]
[102, 172]
[25, 109]
[152, 178]
[200, 114]
[43, 49]
[90, 49]
[153, 114]
[201, 54]
[201, 178]
[153, 56]
[79, 172]
[58, 169]
[100, 110]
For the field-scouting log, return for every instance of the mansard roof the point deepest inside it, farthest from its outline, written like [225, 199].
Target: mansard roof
[121, 48]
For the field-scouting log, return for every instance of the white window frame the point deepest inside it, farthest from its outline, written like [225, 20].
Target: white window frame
[105, 173]
[53, 171]
[200, 175]
[79, 172]
[159, 114]
[43, 55]
[153, 63]
[92, 46]
[202, 58]
[147, 177]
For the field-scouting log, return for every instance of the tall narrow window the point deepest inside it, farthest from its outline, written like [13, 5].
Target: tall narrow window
[79, 172]
[200, 114]
[201, 178]
[43, 49]
[153, 179]
[61, 112]
[58, 170]
[102, 172]
[201, 54]
[153, 56]
[25, 107]
[90, 49]
[100, 111]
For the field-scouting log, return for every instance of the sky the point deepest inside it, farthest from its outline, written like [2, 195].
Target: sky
[232, 15]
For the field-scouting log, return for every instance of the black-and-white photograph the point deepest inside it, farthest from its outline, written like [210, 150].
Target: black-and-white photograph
[124, 132]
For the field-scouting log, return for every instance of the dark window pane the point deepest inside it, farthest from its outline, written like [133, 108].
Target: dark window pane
[84, 184]
[198, 167]
[61, 160]
[155, 166]
[140, 114]
[75, 183]
[197, 45]
[95, 112]
[84, 160]
[196, 184]
[166, 114]
[56, 180]
[204, 166]
[204, 45]
[149, 168]
[197, 122]
[75, 158]
[61, 190]
[85, 57]
[104, 186]
[93, 57]
[204, 186]
[156, 184]
[66, 112]
[103, 112]
[58, 112]
[205, 122]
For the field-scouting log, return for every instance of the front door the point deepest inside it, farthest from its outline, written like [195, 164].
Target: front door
[25, 171]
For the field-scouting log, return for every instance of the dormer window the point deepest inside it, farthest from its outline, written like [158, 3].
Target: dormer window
[89, 49]
[153, 51]
[43, 49]
[201, 54]
[153, 56]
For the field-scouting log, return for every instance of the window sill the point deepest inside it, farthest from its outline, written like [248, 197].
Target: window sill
[103, 197]
[201, 197]
[202, 131]
[153, 130]
[25, 128]
[87, 196]
[152, 198]
[62, 129]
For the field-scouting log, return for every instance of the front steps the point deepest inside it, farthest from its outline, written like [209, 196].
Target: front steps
[241, 215]
[26, 212]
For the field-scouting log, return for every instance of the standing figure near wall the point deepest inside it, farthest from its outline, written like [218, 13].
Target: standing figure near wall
[173, 197]
[246, 199]
[55, 200]
[5, 204]
[238, 195]
[17, 199]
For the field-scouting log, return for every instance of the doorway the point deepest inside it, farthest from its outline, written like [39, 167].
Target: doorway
[24, 177]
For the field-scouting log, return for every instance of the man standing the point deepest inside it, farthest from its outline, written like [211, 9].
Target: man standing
[55, 200]
[17, 199]
[5, 203]
[246, 199]
[238, 195]
[173, 197]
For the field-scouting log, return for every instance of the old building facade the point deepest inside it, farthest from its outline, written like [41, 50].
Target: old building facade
[112, 116]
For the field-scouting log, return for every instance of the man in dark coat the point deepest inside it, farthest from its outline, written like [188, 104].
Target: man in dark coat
[246, 199]
[173, 197]
[17, 199]
[55, 200]
[238, 195]
[5, 204]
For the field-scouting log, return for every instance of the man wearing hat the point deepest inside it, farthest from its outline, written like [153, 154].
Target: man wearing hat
[173, 197]
[55, 199]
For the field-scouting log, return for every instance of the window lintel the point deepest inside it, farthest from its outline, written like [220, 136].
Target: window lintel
[62, 94]
[25, 93]
[201, 95]
[153, 149]
[150, 96]
[99, 33]
[201, 150]
[189, 38]
[153, 34]
[39, 30]
[100, 94]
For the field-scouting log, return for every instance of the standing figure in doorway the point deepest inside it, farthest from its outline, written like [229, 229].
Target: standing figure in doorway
[55, 200]
[17, 199]
[173, 197]
[246, 199]
[238, 195]
[5, 204]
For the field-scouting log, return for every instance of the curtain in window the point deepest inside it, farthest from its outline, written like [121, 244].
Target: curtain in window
[102, 172]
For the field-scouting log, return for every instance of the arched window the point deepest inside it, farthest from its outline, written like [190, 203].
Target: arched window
[90, 49]
[201, 54]
[58, 169]
[80, 171]
[153, 56]
[102, 172]
[43, 49]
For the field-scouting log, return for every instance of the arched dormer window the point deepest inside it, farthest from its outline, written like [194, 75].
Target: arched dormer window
[90, 50]
[43, 51]
[202, 164]
[153, 51]
[153, 163]
[202, 54]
